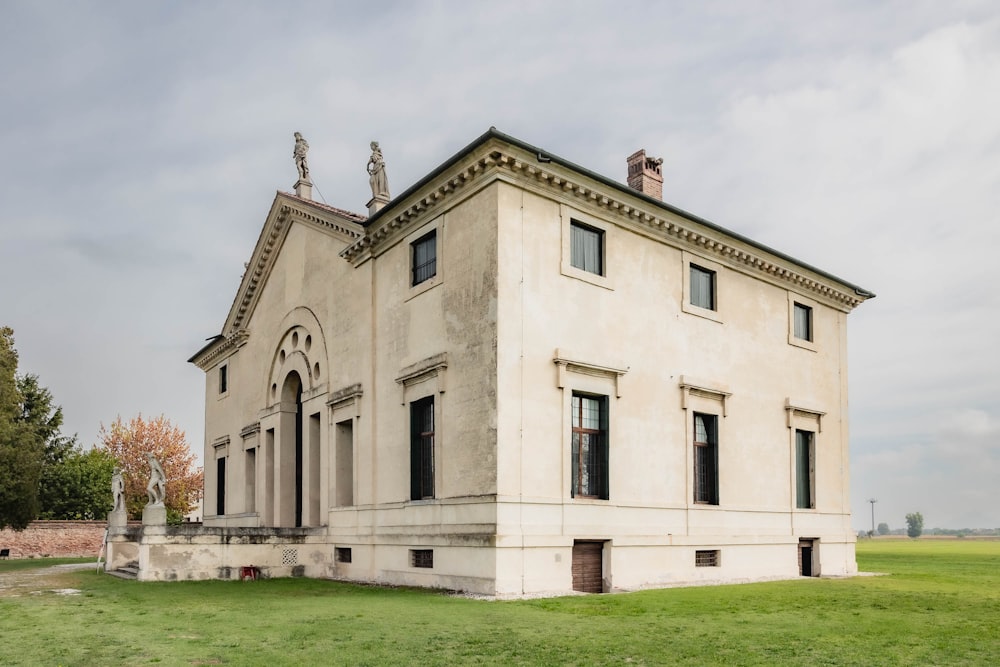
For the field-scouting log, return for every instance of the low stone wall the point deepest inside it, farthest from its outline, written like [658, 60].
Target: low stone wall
[171, 553]
[64, 539]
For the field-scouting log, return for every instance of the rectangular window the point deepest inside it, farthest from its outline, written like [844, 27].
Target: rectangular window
[706, 459]
[706, 558]
[421, 558]
[702, 288]
[220, 486]
[589, 447]
[424, 258]
[805, 470]
[586, 248]
[343, 554]
[422, 449]
[803, 322]
[223, 379]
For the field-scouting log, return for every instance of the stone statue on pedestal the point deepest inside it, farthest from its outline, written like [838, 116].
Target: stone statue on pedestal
[156, 490]
[118, 490]
[299, 155]
[376, 171]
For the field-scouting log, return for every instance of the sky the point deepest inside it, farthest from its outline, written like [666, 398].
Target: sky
[141, 144]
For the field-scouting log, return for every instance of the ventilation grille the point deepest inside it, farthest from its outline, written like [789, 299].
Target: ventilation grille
[289, 556]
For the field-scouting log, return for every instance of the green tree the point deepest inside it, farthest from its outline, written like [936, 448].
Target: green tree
[22, 441]
[883, 529]
[914, 524]
[77, 486]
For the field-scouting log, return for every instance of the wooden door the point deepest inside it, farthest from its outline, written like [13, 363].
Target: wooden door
[588, 570]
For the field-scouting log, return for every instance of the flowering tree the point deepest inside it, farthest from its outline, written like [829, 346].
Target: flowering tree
[128, 442]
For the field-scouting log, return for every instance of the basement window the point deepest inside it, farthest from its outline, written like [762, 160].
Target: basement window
[343, 554]
[422, 558]
[706, 558]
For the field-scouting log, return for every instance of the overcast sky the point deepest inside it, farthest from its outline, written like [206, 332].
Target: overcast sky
[141, 144]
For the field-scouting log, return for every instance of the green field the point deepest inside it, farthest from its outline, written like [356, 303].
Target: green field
[939, 606]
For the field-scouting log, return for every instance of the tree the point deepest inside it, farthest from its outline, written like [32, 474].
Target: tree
[22, 440]
[77, 486]
[914, 524]
[883, 529]
[128, 443]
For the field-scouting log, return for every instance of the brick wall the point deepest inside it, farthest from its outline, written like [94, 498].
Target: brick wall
[55, 538]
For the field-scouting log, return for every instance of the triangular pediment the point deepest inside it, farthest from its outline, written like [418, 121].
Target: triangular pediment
[286, 210]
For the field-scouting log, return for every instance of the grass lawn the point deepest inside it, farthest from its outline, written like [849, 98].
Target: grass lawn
[940, 606]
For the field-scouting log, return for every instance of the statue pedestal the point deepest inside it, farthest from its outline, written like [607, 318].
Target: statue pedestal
[377, 202]
[117, 519]
[304, 188]
[154, 515]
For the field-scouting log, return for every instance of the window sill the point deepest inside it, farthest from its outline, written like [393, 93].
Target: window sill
[706, 313]
[419, 289]
[586, 276]
[804, 344]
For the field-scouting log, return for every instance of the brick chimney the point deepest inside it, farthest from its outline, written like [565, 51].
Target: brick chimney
[645, 174]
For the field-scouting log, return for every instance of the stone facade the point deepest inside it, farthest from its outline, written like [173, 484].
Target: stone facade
[517, 378]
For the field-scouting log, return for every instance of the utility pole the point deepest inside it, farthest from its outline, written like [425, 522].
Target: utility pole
[873, 501]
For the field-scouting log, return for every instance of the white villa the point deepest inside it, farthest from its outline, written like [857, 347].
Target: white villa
[520, 377]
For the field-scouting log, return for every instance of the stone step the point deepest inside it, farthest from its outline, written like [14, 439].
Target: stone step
[121, 573]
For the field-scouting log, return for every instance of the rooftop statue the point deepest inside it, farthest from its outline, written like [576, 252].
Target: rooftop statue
[299, 154]
[376, 171]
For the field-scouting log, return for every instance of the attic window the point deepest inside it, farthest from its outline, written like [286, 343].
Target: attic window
[424, 258]
[224, 378]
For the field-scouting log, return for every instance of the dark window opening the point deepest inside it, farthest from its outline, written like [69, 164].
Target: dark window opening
[421, 558]
[223, 379]
[589, 447]
[706, 459]
[424, 260]
[702, 287]
[422, 449]
[803, 322]
[343, 554]
[220, 486]
[706, 558]
[805, 470]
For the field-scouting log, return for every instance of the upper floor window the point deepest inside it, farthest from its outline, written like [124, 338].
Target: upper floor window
[702, 287]
[803, 322]
[223, 378]
[424, 258]
[706, 459]
[589, 447]
[586, 248]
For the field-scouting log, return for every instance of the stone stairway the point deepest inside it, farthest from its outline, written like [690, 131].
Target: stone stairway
[127, 571]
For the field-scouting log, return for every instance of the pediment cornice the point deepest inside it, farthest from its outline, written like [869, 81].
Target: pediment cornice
[285, 210]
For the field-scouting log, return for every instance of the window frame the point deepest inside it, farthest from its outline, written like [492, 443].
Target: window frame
[690, 262]
[592, 472]
[569, 218]
[796, 301]
[705, 457]
[422, 464]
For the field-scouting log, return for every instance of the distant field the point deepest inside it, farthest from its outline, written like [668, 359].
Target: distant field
[940, 606]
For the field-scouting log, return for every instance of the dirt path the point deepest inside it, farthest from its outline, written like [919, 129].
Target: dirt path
[44, 579]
